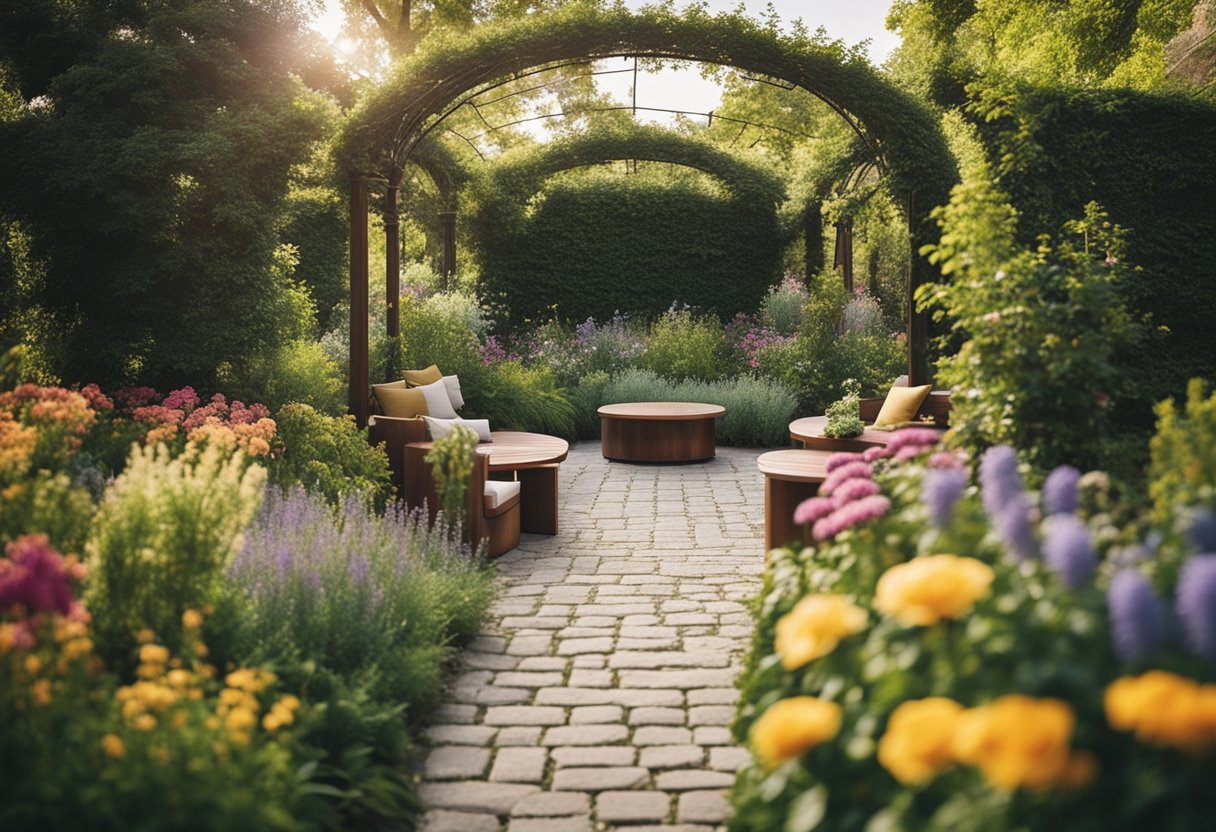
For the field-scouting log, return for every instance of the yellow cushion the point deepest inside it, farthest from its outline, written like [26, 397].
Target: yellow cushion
[417, 378]
[901, 404]
[402, 403]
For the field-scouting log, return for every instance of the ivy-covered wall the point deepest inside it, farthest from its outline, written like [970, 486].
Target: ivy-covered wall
[593, 248]
[1149, 161]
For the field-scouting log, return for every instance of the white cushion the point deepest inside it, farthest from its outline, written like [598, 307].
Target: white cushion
[499, 492]
[442, 427]
[452, 383]
[438, 404]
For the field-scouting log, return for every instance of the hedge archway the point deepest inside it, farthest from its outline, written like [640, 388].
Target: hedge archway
[903, 136]
[724, 266]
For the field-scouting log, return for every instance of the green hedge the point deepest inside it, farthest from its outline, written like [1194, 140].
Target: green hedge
[1148, 161]
[593, 249]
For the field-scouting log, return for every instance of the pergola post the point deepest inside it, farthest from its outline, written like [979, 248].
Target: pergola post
[448, 219]
[392, 259]
[844, 252]
[918, 322]
[358, 301]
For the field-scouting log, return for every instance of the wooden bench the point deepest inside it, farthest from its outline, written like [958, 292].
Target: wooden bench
[809, 430]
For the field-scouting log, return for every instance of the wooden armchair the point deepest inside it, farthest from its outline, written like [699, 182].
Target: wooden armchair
[396, 433]
[491, 506]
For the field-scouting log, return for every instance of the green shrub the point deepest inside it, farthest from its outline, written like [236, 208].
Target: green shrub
[1183, 469]
[298, 371]
[330, 457]
[49, 504]
[166, 530]
[440, 329]
[514, 397]
[586, 398]
[782, 307]
[452, 457]
[1041, 329]
[682, 346]
[758, 411]
[830, 348]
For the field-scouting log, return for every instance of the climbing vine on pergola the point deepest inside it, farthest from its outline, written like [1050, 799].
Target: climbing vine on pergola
[449, 70]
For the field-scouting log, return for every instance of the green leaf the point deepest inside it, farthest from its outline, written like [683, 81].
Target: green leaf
[808, 810]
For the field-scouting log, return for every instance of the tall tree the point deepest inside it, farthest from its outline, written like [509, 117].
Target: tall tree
[148, 164]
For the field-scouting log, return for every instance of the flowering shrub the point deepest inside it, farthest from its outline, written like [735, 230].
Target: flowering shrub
[166, 529]
[781, 308]
[329, 456]
[682, 346]
[182, 416]
[959, 655]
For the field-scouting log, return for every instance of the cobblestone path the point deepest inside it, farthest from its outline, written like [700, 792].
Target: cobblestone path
[600, 694]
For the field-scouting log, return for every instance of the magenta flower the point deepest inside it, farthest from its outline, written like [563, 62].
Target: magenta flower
[183, 399]
[848, 471]
[839, 459]
[945, 461]
[920, 438]
[809, 511]
[35, 576]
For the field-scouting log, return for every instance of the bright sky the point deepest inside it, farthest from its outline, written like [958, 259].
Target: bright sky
[852, 21]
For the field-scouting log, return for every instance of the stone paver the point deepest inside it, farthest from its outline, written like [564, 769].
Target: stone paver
[598, 696]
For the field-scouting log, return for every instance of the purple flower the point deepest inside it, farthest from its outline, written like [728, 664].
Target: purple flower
[845, 472]
[837, 460]
[1137, 616]
[1060, 491]
[853, 514]
[35, 576]
[940, 490]
[809, 511]
[1195, 603]
[1014, 528]
[1201, 530]
[999, 478]
[854, 489]
[1068, 550]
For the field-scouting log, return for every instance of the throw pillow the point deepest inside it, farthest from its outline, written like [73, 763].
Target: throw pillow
[391, 385]
[417, 378]
[402, 403]
[901, 404]
[437, 402]
[453, 385]
[442, 427]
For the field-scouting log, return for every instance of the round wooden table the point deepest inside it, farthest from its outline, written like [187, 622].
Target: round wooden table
[790, 476]
[658, 431]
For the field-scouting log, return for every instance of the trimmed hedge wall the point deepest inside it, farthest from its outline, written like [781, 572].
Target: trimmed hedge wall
[595, 248]
[1149, 161]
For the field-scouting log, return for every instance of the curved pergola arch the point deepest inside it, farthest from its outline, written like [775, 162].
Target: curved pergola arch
[902, 135]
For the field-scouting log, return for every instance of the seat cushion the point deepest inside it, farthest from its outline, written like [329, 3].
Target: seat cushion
[901, 405]
[417, 378]
[401, 402]
[442, 427]
[499, 493]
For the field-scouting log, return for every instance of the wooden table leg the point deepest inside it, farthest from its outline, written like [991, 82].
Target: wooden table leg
[538, 500]
[781, 497]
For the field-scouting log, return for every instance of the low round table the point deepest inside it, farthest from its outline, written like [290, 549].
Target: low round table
[790, 476]
[658, 431]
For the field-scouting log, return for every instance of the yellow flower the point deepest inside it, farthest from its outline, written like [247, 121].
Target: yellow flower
[289, 702]
[927, 589]
[1164, 709]
[145, 635]
[153, 654]
[145, 722]
[792, 726]
[42, 692]
[250, 679]
[32, 664]
[179, 678]
[815, 626]
[192, 619]
[1018, 741]
[917, 743]
[113, 746]
[77, 647]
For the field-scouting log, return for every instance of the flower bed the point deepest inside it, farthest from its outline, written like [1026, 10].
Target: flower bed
[973, 655]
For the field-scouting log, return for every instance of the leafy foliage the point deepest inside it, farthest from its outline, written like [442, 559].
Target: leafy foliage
[451, 457]
[1183, 469]
[1040, 329]
[330, 457]
[682, 346]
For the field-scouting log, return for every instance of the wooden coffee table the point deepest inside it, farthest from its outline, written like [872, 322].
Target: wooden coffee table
[790, 476]
[658, 431]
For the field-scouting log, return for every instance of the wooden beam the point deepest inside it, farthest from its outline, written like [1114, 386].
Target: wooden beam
[392, 261]
[448, 218]
[359, 370]
[918, 322]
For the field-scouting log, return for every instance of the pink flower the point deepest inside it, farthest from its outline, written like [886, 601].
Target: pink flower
[848, 516]
[183, 399]
[921, 438]
[96, 399]
[133, 397]
[946, 460]
[854, 489]
[845, 472]
[836, 460]
[809, 511]
[874, 454]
